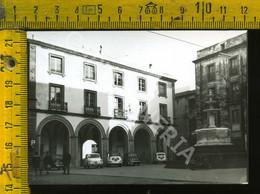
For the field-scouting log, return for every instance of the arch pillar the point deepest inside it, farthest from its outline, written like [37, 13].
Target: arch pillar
[74, 146]
[153, 150]
[131, 145]
[105, 148]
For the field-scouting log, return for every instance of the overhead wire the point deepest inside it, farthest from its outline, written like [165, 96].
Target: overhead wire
[166, 36]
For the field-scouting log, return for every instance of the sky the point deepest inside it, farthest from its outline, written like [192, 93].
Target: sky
[169, 52]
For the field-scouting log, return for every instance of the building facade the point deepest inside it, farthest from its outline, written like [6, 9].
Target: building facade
[185, 104]
[222, 70]
[75, 97]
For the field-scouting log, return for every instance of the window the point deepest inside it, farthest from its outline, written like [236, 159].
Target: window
[56, 64]
[163, 111]
[235, 91]
[235, 116]
[119, 103]
[142, 84]
[90, 98]
[89, 71]
[56, 95]
[211, 73]
[143, 107]
[57, 98]
[233, 70]
[119, 111]
[118, 78]
[162, 89]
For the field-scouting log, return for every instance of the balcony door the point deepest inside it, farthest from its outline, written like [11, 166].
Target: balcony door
[163, 110]
[119, 103]
[90, 100]
[56, 97]
[119, 111]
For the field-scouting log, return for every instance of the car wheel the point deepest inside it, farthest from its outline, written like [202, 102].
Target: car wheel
[85, 166]
[138, 164]
[101, 166]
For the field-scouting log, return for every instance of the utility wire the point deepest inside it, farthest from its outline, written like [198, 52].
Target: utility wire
[175, 38]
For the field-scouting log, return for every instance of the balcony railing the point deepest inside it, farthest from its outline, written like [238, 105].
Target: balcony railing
[92, 111]
[120, 113]
[165, 120]
[58, 106]
[144, 117]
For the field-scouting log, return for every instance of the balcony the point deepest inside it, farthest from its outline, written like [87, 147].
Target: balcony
[120, 114]
[58, 106]
[165, 120]
[91, 111]
[144, 117]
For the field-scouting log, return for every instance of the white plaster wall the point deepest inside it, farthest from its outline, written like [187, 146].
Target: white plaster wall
[74, 86]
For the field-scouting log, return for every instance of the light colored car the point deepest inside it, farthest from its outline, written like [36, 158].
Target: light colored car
[93, 159]
[114, 159]
[160, 157]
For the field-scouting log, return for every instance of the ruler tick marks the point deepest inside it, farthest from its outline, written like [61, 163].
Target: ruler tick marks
[203, 11]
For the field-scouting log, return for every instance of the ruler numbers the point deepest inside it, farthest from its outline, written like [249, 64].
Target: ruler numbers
[12, 176]
[206, 10]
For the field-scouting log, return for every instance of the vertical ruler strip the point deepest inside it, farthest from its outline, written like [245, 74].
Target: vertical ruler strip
[13, 103]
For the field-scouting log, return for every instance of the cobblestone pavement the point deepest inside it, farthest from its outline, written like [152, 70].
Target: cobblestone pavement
[143, 174]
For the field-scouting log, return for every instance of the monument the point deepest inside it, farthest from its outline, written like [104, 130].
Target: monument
[212, 136]
[214, 144]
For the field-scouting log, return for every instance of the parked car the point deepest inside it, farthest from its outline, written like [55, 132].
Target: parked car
[94, 160]
[114, 159]
[131, 159]
[57, 161]
[160, 157]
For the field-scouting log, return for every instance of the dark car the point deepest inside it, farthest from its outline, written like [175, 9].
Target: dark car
[57, 162]
[131, 159]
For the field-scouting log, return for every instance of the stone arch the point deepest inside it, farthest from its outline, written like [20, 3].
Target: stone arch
[55, 118]
[123, 126]
[147, 128]
[93, 122]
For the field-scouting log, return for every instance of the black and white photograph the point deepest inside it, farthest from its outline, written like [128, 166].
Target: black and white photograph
[137, 107]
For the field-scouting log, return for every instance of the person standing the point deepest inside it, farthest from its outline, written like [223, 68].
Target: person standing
[66, 162]
[36, 163]
[47, 161]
